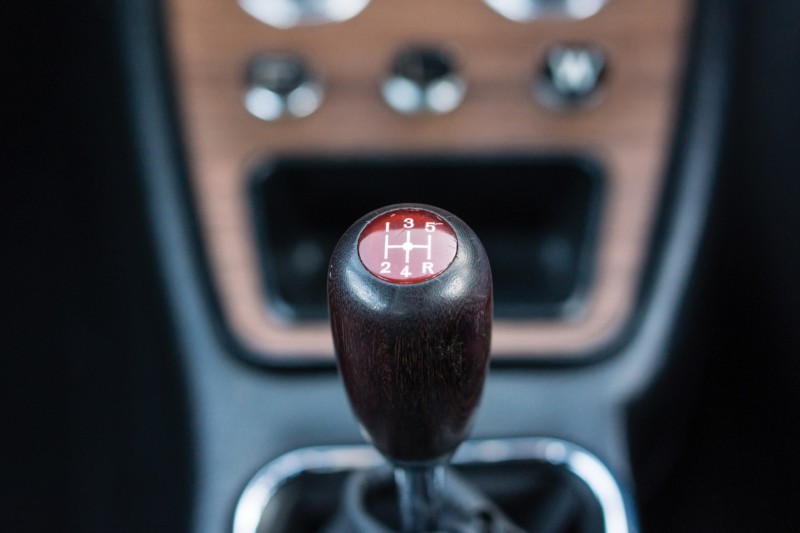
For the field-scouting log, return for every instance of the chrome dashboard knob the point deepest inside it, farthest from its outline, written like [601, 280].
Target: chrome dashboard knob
[281, 86]
[285, 14]
[423, 80]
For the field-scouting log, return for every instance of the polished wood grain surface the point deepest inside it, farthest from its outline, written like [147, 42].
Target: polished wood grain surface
[628, 131]
[413, 356]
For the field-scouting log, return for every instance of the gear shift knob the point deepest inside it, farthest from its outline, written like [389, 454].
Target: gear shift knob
[410, 302]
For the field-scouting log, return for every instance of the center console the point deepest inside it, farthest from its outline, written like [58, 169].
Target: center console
[568, 138]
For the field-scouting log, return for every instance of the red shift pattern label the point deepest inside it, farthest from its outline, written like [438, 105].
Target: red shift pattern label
[407, 246]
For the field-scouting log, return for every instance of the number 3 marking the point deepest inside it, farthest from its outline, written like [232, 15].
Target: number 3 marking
[408, 223]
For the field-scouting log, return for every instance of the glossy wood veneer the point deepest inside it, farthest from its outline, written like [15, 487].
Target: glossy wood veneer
[628, 131]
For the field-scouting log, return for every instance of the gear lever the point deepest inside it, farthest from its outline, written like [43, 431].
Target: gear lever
[410, 302]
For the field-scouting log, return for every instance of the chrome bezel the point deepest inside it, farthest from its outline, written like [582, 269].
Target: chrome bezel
[614, 502]
[285, 14]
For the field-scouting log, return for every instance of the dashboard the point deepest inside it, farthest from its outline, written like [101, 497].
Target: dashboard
[622, 128]
[181, 171]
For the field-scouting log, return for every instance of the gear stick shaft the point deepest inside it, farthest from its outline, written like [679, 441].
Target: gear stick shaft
[410, 302]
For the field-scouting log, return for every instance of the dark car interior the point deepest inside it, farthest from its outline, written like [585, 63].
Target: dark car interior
[178, 173]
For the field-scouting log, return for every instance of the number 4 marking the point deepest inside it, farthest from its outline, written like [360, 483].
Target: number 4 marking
[406, 273]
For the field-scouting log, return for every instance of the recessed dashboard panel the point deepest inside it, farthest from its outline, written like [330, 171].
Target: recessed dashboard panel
[536, 218]
[428, 81]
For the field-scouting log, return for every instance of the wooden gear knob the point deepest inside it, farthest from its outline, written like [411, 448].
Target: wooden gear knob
[410, 303]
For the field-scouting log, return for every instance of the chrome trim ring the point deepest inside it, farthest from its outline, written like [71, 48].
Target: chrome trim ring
[616, 506]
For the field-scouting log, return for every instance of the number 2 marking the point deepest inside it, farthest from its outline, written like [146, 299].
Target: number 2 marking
[385, 266]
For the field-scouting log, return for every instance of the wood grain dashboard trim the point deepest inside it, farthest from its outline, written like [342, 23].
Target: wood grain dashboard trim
[629, 131]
